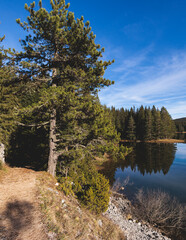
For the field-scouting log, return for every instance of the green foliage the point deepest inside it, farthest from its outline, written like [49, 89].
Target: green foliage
[60, 64]
[96, 196]
[66, 185]
[180, 124]
[124, 151]
[9, 94]
[131, 134]
[143, 123]
[90, 187]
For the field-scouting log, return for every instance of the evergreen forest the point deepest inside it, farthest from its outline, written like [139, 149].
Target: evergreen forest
[180, 124]
[143, 123]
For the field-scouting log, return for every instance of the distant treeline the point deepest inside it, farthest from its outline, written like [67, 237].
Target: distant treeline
[180, 124]
[143, 123]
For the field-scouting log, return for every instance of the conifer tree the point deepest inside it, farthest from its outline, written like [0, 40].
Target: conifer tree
[140, 123]
[131, 133]
[167, 125]
[8, 96]
[60, 59]
[156, 123]
[148, 124]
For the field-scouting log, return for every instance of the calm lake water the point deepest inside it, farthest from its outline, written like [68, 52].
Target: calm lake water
[151, 166]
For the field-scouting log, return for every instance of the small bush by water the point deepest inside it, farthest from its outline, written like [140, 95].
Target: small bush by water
[161, 210]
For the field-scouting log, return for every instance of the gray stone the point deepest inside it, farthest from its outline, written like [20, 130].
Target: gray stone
[100, 223]
[62, 201]
[131, 229]
[2, 153]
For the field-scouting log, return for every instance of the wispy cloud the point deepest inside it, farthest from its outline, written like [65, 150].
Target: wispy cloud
[150, 80]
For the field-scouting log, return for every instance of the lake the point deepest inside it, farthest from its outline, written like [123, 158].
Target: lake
[151, 166]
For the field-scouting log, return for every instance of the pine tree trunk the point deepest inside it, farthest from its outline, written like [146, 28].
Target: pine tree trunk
[52, 160]
[53, 157]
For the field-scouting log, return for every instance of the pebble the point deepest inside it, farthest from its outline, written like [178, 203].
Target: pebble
[100, 223]
[62, 201]
[133, 230]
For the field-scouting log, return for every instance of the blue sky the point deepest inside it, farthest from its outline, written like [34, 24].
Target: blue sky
[146, 38]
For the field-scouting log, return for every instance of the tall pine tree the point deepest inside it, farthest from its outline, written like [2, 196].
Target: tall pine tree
[60, 59]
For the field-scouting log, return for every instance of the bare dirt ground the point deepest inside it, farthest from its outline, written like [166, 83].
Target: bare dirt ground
[20, 217]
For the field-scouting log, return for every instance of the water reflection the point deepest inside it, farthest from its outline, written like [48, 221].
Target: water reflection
[149, 157]
[181, 136]
[146, 158]
[151, 166]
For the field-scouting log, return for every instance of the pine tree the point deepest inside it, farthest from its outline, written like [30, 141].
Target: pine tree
[140, 122]
[148, 124]
[8, 96]
[131, 134]
[156, 123]
[167, 125]
[123, 122]
[60, 60]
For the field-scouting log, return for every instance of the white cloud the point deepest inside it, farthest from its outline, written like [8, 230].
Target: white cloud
[142, 80]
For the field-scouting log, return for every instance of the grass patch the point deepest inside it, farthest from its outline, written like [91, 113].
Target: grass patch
[67, 219]
[3, 170]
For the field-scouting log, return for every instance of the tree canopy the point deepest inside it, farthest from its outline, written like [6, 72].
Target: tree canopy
[143, 123]
[61, 68]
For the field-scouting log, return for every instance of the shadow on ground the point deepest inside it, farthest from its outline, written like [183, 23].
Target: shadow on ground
[17, 217]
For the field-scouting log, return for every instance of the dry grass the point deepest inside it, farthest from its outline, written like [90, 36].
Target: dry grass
[157, 141]
[161, 210]
[167, 141]
[66, 219]
[3, 171]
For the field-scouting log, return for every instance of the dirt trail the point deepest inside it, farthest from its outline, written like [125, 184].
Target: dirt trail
[20, 218]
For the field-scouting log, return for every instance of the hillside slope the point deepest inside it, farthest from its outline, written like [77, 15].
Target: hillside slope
[31, 208]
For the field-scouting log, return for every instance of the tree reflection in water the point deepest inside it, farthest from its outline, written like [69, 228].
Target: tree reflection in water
[145, 158]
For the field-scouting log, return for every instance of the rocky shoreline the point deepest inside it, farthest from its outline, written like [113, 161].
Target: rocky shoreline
[119, 211]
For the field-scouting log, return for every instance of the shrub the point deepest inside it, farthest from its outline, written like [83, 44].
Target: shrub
[96, 195]
[66, 185]
[1, 165]
[90, 187]
[161, 210]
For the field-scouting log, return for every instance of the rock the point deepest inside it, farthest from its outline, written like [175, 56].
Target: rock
[132, 229]
[79, 210]
[2, 153]
[100, 223]
[52, 236]
[62, 201]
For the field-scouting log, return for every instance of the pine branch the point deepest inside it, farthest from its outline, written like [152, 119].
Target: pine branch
[32, 125]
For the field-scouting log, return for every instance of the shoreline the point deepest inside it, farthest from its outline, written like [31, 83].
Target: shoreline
[120, 212]
[156, 141]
